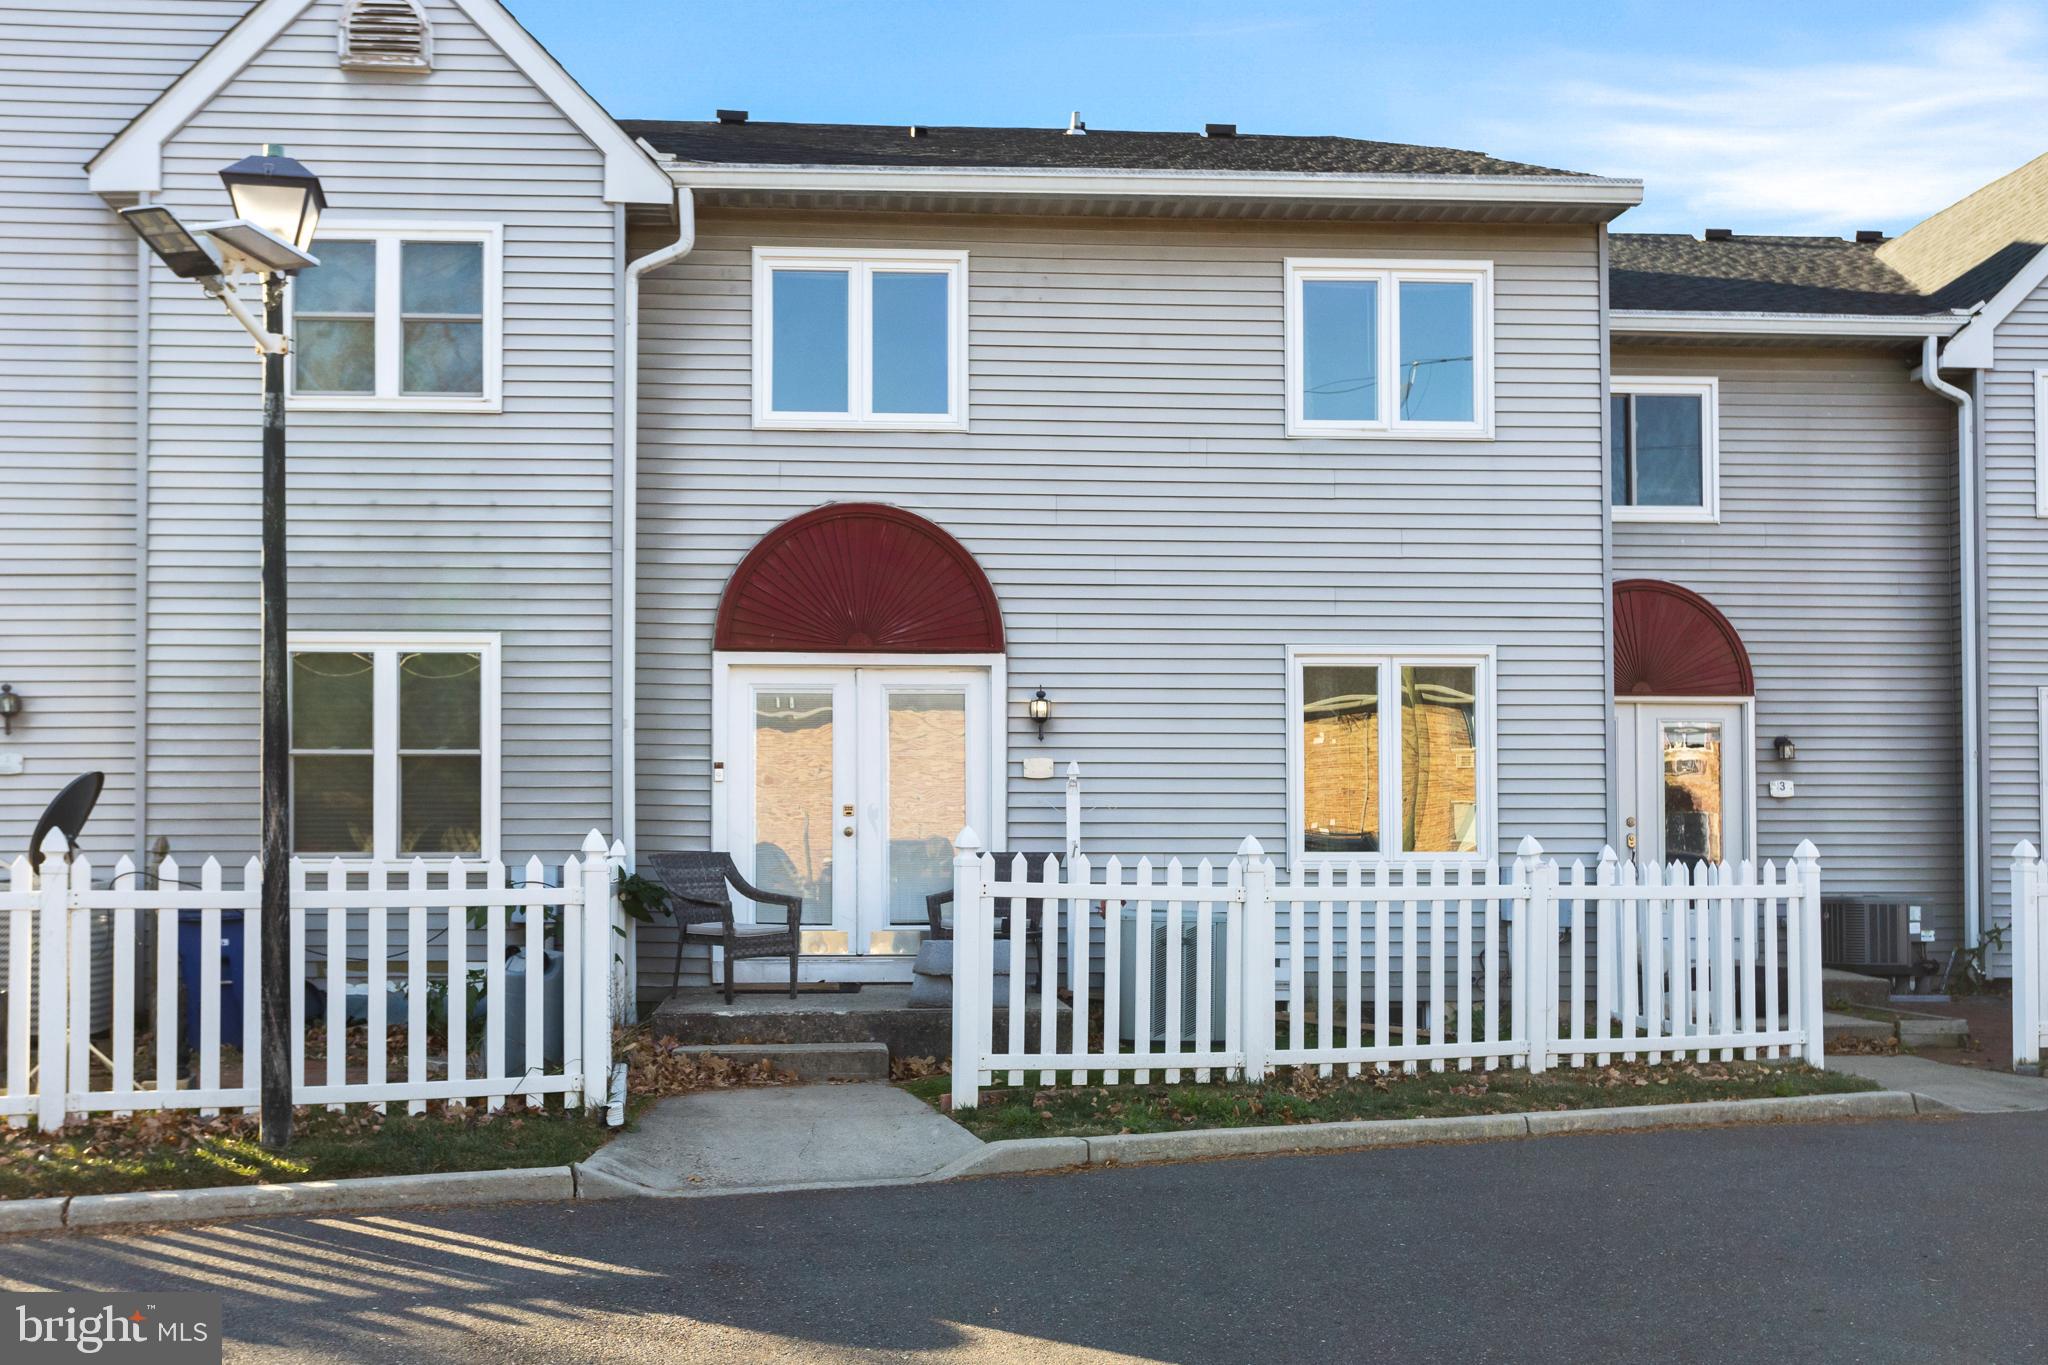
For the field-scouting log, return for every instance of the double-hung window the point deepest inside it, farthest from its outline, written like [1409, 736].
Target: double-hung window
[1390, 348]
[399, 318]
[1392, 754]
[848, 339]
[1664, 450]
[394, 746]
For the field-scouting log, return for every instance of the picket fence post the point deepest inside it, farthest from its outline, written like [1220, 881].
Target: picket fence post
[53, 987]
[1531, 972]
[2026, 957]
[1808, 858]
[973, 981]
[1255, 973]
[597, 971]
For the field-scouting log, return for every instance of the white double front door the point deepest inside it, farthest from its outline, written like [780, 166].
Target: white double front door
[1684, 770]
[847, 786]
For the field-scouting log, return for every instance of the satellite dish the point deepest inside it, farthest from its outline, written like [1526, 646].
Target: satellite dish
[68, 811]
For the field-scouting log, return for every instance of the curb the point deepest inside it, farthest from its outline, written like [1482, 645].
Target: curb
[273, 1201]
[1135, 1149]
[1023, 1156]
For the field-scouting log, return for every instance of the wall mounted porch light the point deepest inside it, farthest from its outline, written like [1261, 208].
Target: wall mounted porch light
[10, 707]
[1039, 708]
[1785, 749]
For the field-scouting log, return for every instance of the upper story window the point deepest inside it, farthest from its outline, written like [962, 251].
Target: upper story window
[860, 339]
[394, 746]
[1664, 449]
[1392, 754]
[398, 318]
[1401, 348]
[385, 35]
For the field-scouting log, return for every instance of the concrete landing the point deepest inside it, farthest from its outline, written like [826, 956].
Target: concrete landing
[1959, 1087]
[876, 1013]
[776, 1138]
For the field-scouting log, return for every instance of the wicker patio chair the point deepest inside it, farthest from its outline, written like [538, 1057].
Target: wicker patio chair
[1034, 910]
[699, 900]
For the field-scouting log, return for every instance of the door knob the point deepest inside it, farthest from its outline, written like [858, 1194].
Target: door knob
[848, 832]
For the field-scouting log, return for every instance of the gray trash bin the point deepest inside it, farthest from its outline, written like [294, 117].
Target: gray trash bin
[515, 1013]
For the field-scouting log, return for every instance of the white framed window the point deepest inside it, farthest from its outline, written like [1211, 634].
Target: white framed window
[399, 318]
[2041, 443]
[1664, 449]
[860, 339]
[394, 746]
[1390, 348]
[1390, 753]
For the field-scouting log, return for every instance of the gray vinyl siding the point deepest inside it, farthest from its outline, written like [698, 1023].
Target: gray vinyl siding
[71, 76]
[1155, 540]
[401, 521]
[2016, 601]
[1835, 561]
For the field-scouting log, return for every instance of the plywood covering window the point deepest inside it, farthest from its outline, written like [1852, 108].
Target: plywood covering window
[1391, 754]
[399, 318]
[394, 746]
[1664, 449]
[846, 339]
[1390, 348]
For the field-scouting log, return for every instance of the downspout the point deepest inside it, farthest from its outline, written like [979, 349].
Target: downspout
[1966, 560]
[629, 570]
[143, 382]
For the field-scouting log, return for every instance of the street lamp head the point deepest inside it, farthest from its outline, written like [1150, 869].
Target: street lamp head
[162, 233]
[277, 194]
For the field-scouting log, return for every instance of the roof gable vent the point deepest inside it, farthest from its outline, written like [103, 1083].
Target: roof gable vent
[386, 35]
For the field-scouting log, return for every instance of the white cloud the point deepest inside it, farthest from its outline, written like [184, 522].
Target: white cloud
[1825, 146]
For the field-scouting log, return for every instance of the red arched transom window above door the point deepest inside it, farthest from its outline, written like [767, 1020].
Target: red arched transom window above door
[855, 578]
[1671, 642]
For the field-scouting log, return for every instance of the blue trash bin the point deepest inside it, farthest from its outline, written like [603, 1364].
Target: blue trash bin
[189, 960]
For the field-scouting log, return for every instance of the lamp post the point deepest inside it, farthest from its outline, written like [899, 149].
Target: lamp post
[277, 205]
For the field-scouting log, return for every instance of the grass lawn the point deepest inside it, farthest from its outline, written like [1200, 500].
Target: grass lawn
[154, 1151]
[1301, 1096]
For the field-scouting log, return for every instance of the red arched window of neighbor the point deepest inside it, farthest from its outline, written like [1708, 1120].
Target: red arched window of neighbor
[1671, 642]
[860, 578]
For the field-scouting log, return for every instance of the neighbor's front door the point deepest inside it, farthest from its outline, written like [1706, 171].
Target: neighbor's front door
[848, 786]
[1684, 769]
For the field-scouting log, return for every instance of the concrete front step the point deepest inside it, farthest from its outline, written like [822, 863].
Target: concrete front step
[1912, 1030]
[1854, 988]
[876, 1013]
[807, 1061]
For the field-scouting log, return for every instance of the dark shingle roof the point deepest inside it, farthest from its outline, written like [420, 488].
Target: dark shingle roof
[1675, 272]
[850, 144]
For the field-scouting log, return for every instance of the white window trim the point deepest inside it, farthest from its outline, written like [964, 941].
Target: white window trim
[1708, 390]
[1480, 657]
[1390, 274]
[387, 235]
[384, 731]
[861, 265]
[2041, 444]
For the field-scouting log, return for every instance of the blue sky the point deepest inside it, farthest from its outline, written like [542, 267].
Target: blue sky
[1787, 116]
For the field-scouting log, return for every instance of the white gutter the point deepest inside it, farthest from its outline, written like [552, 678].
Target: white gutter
[629, 569]
[1929, 374]
[1467, 189]
[1642, 320]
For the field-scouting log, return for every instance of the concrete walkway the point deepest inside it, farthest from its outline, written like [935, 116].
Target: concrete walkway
[776, 1138]
[1959, 1087]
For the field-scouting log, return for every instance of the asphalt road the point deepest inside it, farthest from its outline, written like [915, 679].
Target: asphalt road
[1917, 1240]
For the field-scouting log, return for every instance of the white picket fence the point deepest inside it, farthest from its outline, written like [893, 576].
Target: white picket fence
[1459, 965]
[414, 929]
[2029, 956]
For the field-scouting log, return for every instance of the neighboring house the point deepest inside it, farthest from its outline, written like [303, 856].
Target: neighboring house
[1360, 496]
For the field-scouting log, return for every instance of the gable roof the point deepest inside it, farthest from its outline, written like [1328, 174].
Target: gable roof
[1806, 275]
[894, 146]
[133, 162]
[1977, 244]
